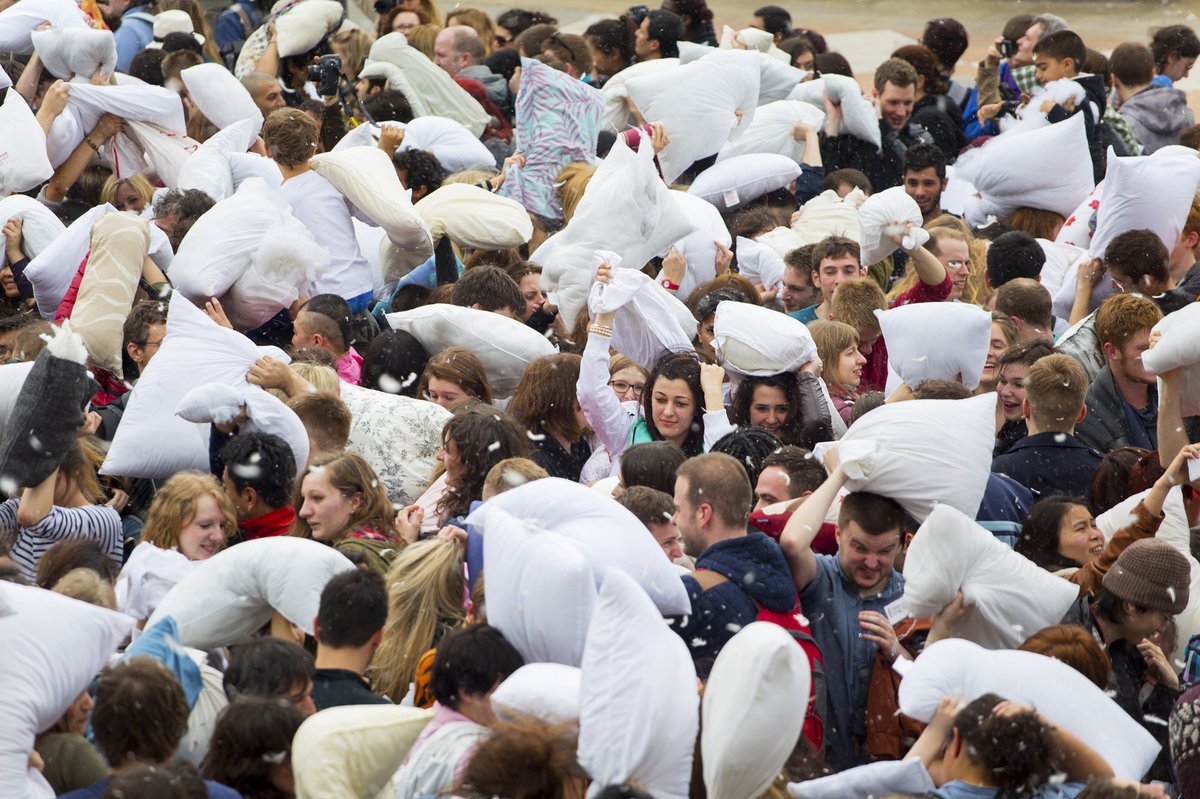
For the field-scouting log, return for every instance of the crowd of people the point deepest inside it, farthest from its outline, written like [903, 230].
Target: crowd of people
[467, 407]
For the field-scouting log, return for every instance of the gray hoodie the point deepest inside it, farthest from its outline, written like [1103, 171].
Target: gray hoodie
[1157, 115]
[495, 85]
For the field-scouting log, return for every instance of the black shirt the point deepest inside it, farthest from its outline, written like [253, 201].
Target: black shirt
[338, 687]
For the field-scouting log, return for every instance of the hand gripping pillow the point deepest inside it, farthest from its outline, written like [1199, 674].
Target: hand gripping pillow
[921, 449]
[40, 228]
[20, 20]
[1010, 597]
[827, 215]
[399, 436]
[474, 217]
[637, 717]
[1145, 193]
[54, 646]
[71, 52]
[221, 97]
[429, 88]
[647, 323]
[966, 671]
[53, 268]
[858, 115]
[165, 150]
[617, 116]
[220, 245]
[698, 248]
[609, 536]
[23, 162]
[353, 750]
[504, 345]
[540, 587]
[1174, 530]
[556, 122]
[771, 130]
[365, 176]
[1048, 168]
[1064, 299]
[917, 336]
[548, 691]
[453, 144]
[139, 101]
[883, 215]
[286, 262]
[756, 341]
[753, 710]
[119, 246]
[302, 26]
[208, 404]
[198, 351]
[1179, 347]
[730, 183]
[47, 412]
[697, 104]
[233, 593]
[758, 263]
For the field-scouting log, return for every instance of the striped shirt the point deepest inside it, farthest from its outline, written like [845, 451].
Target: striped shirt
[98, 523]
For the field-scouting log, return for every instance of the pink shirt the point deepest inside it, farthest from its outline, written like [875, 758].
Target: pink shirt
[349, 368]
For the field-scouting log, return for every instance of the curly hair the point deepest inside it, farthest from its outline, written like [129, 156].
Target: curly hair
[1018, 751]
[482, 438]
[743, 399]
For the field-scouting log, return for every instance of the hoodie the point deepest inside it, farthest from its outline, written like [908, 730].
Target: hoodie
[495, 85]
[757, 574]
[1092, 107]
[1157, 115]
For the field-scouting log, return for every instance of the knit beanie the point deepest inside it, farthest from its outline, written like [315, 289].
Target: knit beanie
[1151, 574]
[1183, 732]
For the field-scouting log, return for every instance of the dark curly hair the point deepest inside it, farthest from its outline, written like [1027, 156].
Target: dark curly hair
[792, 430]
[1018, 751]
[683, 366]
[482, 438]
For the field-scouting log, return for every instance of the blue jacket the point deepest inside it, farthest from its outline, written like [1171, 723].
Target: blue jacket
[757, 573]
[136, 31]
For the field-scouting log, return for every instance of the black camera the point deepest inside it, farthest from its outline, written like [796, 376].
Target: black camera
[1007, 48]
[326, 74]
[384, 6]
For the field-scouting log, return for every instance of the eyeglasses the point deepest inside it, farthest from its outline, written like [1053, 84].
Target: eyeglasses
[621, 387]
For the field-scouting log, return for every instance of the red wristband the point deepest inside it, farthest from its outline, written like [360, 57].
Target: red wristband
[668, 285]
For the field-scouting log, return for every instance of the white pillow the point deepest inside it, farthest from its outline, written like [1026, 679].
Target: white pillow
[917, 450]
[782, 240]
[12, 377]
[233, 593]
[23, 161]
[1010, 597]
[1048, 168]
[858, 115]
[453, 144]
[353, 750]
[70, 52]
[52, 271]
[753, 710]
[743, 178]
[504, 345]
[243, 166]
[648, 318]
[399, 436]
[917, 336]
[698, 248]
[696, 104]
[54, 647]
[829, 215]
[548, 691]
[208, 169]
[40, 228]
[1060, 263]
[1146, 193]
[616, 91]
[759, 264]
[474, 217]
[20, 20]
[566, 509]
[165, 151]
[1077, 230]
[882, 213]
[961, 669]
[771, 130]
[140, 101]
[428, 88]
[638, 715]
[147, 576]
[1174, 530]
[221, 97]
[197, 351]
[540, 587]
[1064, 299]
[287, 260]
[1178, 347]
[367, 179]
[302, 26]
[871, 779]
[757, 341]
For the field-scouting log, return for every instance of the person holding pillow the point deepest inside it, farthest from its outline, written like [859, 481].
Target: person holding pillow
[842, 363]
[341, 502]
[453, 375]
[64, 506]
[190, 520]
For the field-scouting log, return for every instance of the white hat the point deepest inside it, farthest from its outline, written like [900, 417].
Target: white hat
[173, 21]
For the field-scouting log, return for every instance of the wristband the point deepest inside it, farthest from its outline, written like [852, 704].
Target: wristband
[600, 330]
[668, 285]
[88, 141]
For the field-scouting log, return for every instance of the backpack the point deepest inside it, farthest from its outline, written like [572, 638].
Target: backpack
[231, 50]
[818, 700]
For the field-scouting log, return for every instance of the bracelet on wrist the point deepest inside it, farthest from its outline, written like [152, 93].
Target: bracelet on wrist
[88, 140]
[600, 330]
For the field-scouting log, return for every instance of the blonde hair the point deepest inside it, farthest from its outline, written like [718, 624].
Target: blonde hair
[472, 177]
[108, 192]
[320, 377]
[82, 461]
[426, 588]
[1055, 387]
[480, 22]
[619, 363]
[349, 474]
[86, 585]
[940, 229]
[175, 506]
[423, 36]
[572, 182]
[357, 44]
[510, 473]
[832, 339]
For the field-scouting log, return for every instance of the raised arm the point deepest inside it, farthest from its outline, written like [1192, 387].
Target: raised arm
[603, 411]
[805, 523]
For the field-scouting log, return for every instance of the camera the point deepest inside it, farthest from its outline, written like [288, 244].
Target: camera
[1007, 48]
[383, 6]
[326, 74]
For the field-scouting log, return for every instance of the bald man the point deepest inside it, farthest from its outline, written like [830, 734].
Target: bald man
[265, 90]
[459, 51]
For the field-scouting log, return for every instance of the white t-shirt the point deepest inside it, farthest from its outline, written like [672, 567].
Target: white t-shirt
[326, 214]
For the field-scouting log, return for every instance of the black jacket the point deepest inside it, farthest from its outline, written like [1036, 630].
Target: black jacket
[885, 168]
[1092, 107]
[941, 116]
[1050, 463]
[1126, 684]
[1105, 427]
